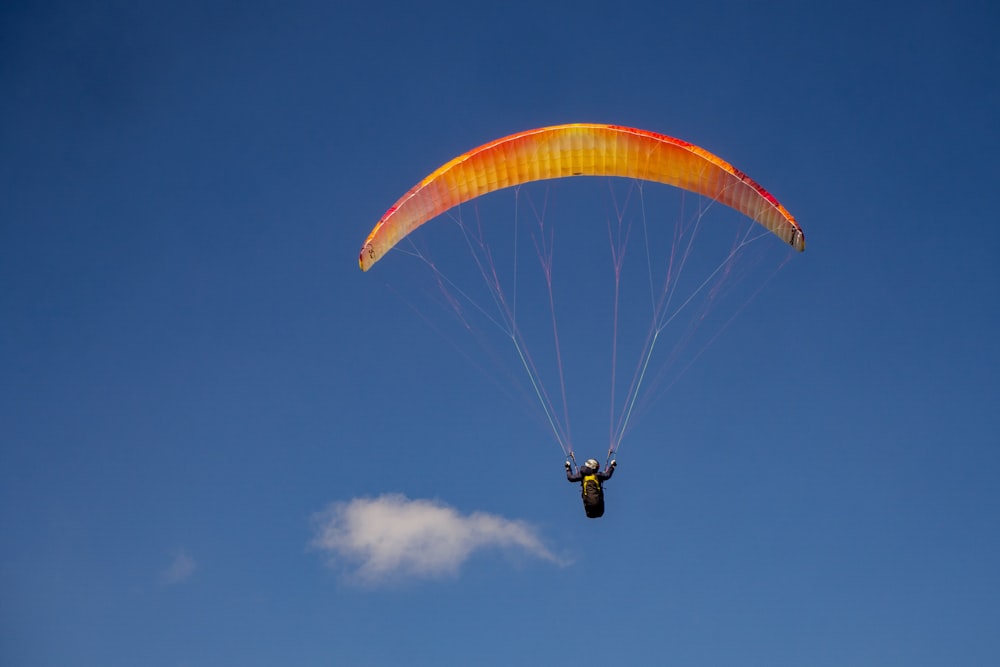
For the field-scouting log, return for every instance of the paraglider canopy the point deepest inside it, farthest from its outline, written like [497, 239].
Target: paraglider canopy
[579, 149]
[694, 279]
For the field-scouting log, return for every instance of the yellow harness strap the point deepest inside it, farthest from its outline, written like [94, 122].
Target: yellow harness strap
[590, 478]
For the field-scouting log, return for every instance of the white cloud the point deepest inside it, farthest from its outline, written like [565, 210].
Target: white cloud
[180, 569]
[392, 536]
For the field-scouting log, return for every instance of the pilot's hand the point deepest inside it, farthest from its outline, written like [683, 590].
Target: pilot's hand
[613, 463]
[567, 466]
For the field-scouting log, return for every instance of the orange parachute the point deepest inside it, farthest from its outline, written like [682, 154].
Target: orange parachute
[579, 149]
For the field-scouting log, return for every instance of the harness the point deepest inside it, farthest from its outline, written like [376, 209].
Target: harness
[590, 479]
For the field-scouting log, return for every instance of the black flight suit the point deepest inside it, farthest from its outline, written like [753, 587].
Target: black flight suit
[591, 488]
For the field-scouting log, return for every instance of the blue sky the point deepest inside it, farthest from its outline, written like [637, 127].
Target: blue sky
[217, 435]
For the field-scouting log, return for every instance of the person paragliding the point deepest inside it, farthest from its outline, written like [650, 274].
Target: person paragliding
[569, 151]
[591, 479]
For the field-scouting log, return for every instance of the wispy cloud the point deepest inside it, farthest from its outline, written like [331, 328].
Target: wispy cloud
[392, 536]
[180, 569]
